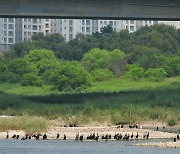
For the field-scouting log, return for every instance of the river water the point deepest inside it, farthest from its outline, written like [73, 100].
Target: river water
[73, 147]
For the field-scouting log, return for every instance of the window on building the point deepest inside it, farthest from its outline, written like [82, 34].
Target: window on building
[35, 21]
[47, 20]
[70, 29]
[47, 25]
[25, 19]
[111, 23]
[87, 29]
[11, 40]
[29, 26]
[11, 20]
[10, 26]
[83, 22]
[10, 33]
[131, 28]
[71, 22]
[83, 29]
[131, 21]
[5, 33]
[105, 22]
[101, 22]
[5, 26]
[5, 19]
[70, 36]
[34, 27]
[5, 40]
[88, 22]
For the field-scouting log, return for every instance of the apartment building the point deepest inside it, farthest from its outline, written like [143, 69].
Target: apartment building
[22, 29]
[7, 33]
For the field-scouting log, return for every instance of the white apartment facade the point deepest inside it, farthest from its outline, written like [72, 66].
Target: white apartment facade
[7, 33]
[175, 24]
[17, 30]
[69, 28]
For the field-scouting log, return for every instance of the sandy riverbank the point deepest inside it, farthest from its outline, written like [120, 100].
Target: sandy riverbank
[101, 130]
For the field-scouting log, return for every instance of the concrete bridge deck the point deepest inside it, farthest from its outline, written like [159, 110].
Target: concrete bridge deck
[104, 9]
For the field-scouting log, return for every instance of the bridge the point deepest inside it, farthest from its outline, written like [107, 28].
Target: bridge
[92, 9]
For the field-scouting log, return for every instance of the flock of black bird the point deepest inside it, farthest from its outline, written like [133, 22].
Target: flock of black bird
[91, 136]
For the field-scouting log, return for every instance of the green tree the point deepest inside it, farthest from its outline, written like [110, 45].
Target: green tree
[21, 66]
[102, 74]
[70, 76]
[117, 62]
[31, 79]
[156, 74]
[81, 45]
[43, 59]
[107, 30]
[96, 58]
[134, 72]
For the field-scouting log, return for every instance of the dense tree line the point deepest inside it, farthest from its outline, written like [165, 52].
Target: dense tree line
[151, 52]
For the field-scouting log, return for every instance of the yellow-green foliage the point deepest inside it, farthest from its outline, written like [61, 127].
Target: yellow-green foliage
[26, 123]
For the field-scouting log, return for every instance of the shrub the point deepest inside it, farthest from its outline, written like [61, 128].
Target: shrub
[10, 77]
[96, 58]
[70, 76]
[31, 79]
[134, 73]
[155, 74]
[102, 74]
[171, 122]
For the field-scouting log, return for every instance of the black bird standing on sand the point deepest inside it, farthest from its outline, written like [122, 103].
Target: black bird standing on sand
[81, 138]
[178, 136]
[137, 135]
[132, 135]
[77, 136]
[97, 137]
[7, 136]
[45, 137]
[14, 136]
[57, 136]
[147, 135]
[17, 137]
[64, 137]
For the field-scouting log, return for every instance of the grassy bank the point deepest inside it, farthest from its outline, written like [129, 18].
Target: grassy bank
[114, 101]
[29, 124]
